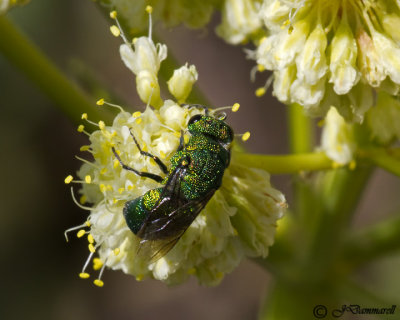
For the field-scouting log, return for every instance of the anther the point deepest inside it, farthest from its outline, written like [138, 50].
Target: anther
[68, 179]
[98, 283]
[81, 233]
[260, 92]
[84, 116]
[102, 125]
[84, 275]
[246, 136]
[97, 264]
[235, 107]
[149, 9]
[91, 248]
[81, 127]
[90, 238]
[88, 179]
[100, 102]
[116, 251]
[116, 32]
[113, 14]
[136, 114]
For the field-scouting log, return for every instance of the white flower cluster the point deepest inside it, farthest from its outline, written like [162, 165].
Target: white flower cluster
[323, 58]
[239, 220]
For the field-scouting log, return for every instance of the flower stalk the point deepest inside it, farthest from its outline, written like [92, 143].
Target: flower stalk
[28, 58]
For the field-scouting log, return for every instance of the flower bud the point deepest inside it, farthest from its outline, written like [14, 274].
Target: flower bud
[389, 55]
[283, 81]
[148, 88]
[337, 138]
[239, 19]
[344, 74]
[274, 14]
[368, 60]
[311, 63]
[181, 82]
[144, 57]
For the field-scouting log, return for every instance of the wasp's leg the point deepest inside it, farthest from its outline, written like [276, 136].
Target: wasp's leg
[139, 173]
[160, 164]
[200, 106]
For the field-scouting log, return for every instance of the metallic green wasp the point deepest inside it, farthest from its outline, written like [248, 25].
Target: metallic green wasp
[161, 216]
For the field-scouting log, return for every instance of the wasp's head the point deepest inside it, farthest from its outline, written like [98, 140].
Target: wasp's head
[212, 127]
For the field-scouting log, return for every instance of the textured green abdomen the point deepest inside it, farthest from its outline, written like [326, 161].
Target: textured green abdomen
[137, 210]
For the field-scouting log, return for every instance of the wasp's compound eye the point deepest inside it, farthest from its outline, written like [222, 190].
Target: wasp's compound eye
[195, 118]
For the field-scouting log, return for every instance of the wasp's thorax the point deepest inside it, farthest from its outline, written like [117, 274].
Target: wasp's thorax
[214, 128]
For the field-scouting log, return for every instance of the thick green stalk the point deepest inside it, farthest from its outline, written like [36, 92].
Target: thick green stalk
[384, 159]
[29, 59]
[285, 164]
[340, 193]
[372, 242]
[300, 130]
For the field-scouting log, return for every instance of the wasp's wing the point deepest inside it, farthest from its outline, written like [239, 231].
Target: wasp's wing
[160, 233]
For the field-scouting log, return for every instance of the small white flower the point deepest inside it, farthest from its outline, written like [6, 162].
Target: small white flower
[144, 61]
[337, 138]
[239, 20]
[181, 82]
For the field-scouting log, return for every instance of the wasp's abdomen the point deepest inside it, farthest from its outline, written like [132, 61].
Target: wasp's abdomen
[136, 211]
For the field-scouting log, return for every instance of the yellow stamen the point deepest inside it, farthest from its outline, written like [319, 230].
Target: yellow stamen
[90, 238]
[113, 14]
[139, 277]
[88, 223]
[100, 102]
[115, 31]
[260, 92]
[149, 9]
[138, 120]
[162, 155]
[88, 179]
[102, 125]
[82, 199]
[84, 148]
[84, 116]
[260, 68]
[81, 127]
[84, 275]
[102, 188]
[91, 248]
[103, 171]
[235, 107]
[68, 179]
[81, 233]
[246, 136]
[117, 251]
[120, 190]
[116, 163]
[136, 114]
[98, 283]
[97, 263]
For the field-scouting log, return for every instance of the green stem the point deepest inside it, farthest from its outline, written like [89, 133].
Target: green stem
[383, 158]
[340, 193]
[285, 164]
[300, 130]
[28, 58]
[371, 243]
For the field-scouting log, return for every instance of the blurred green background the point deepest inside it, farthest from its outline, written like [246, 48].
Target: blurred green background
[38, 144]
